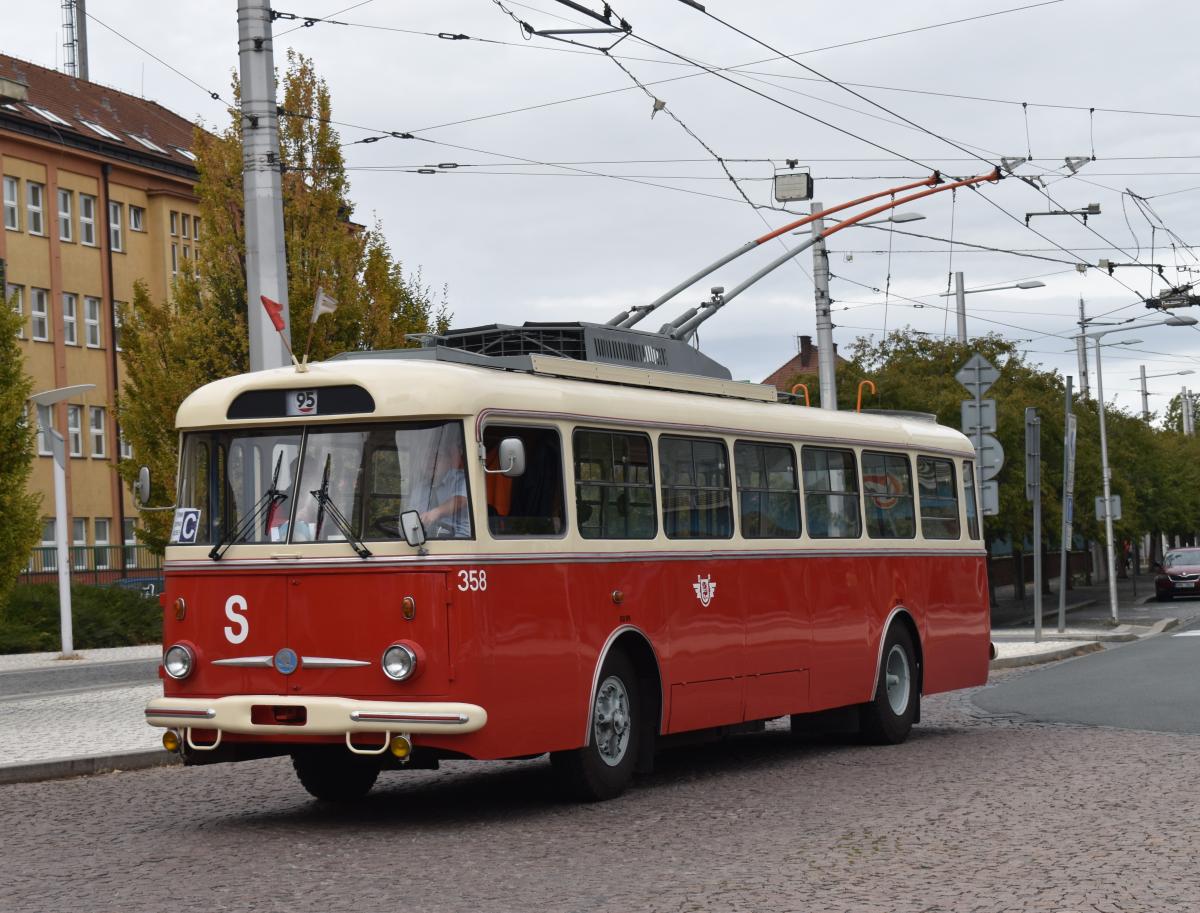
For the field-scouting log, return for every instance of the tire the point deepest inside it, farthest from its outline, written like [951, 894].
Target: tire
[888, 719]
[603, 768]
[334, 774]
[1163, 597]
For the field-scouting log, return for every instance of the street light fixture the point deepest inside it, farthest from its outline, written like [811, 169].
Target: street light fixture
[960, 292]
[1143, 377]
[1096, 336]
[899, 218]
[45, 419]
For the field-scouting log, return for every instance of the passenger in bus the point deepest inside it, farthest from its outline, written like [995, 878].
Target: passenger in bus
[448, 515]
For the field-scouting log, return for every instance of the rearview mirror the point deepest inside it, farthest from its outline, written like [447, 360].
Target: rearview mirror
[413, 528]
[510, 458]
[141, 488]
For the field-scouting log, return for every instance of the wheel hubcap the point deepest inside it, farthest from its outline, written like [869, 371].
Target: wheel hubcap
[897, 679]
[611, 721]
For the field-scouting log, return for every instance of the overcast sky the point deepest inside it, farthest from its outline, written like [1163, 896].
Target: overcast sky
[516, 233]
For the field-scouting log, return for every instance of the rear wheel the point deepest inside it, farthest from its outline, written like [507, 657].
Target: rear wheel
[334, 774]
[603, 768]
[1163, 597]
[889, 718]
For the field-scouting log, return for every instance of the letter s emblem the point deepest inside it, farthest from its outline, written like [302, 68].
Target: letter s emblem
[233, 605]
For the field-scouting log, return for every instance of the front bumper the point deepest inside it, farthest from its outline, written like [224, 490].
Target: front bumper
[323, 715]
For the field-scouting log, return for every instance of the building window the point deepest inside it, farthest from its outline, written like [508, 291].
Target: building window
[49, 544]
[187, 225]
[129, 539]
[888, 496]
[768, 490]
[125, 447]
[43, 438]
[35, 205]
[174, 259]
[65, 216]
[75, 430]
[91, 322]
[831, 493]
[12, 210]
[174, 222]
[15, 294]
[70, 319]
[137, 218]
[79, 543]
[118, 309]
[101, 530]
[87, 219]
[614, 485]
[97, 426]
[695, 488]
[187, 252]
[114, 227]
[939, 498]
[39, 314]
[195, 228]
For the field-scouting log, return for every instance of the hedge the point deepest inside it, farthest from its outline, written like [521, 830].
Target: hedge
[101, 617]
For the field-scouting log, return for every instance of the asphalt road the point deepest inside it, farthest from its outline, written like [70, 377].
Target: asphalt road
[1150, 684]
[976, 812]
[74, 679]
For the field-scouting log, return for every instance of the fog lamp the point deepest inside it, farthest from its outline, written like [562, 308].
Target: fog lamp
[401, 747]
[170, 740]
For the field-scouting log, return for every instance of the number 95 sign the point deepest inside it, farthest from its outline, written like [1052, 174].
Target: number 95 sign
[301, 402]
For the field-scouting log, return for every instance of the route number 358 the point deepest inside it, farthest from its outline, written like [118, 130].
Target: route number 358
[475, 581]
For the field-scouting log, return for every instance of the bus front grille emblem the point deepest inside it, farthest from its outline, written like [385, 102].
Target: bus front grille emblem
[705, 589]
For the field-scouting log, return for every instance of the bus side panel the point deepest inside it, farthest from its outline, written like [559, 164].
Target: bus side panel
[958, 623]
[842, 593]
[778, 637]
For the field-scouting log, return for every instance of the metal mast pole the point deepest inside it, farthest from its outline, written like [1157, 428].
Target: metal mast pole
[960, 299]
[1081, 352]
[266, 264]
[1145, 395]
[1108, 525]
[826, 370]
[1068, 511]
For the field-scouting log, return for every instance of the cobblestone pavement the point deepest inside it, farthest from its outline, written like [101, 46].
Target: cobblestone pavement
[974, 813]
[102, 721]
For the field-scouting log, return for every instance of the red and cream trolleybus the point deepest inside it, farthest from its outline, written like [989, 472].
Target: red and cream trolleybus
[515, 541]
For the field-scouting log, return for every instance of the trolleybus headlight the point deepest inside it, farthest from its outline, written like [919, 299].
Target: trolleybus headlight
[399, 662]
[178, 661]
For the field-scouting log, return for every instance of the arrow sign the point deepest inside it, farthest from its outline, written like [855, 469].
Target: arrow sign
[977, 375]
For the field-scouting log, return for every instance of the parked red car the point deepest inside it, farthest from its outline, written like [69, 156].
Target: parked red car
[1178, 575]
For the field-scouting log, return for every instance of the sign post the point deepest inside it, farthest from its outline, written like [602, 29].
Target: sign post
[978, 420]
[1033, 492]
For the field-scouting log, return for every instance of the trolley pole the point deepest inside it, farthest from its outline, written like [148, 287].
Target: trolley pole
[266, 265]
[826, 369]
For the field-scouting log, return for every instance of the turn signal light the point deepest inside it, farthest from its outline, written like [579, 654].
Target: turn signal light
[171, 740]
[401, 747]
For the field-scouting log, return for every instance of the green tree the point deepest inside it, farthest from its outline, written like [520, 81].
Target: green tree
[200, 334]
[19, 507]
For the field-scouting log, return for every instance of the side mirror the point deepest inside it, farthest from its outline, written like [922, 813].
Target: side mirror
[413, 528]
[141, 488]
[511, 458]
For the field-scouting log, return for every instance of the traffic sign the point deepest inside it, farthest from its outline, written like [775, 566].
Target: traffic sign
[990, 492]
[991, 456]
[1116, 507]
[1033, 456]
[978, 375]
[971, 413]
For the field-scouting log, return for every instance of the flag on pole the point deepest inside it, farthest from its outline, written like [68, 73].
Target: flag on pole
[274, 311]
[323, 305]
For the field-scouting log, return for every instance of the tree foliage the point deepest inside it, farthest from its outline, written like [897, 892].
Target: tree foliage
[200, 334]
[19, 508]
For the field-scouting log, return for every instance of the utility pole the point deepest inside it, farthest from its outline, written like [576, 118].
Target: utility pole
[1068, 511]
[1189, 417]
[960, 300]
[81, 37]
[266, 264]
[826, 369]
[1081, 352]
[1145, 395]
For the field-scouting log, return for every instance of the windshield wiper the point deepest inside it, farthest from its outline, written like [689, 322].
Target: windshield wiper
[339, 519]
[271, 497]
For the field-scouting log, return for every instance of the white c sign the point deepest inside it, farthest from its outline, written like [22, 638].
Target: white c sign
[233, 605]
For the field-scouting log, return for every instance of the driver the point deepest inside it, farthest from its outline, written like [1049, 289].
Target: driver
[448, 516]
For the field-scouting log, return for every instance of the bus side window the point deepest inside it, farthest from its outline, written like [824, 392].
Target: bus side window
[768, 491]
[696, 495]
[969, 498]
[831, 493]
[614, 485]
[888, 496]
[531, 504]
[939, 498]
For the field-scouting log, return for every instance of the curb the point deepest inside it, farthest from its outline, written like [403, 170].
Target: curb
[1013, 662]
[1165, 625]
[86, 766]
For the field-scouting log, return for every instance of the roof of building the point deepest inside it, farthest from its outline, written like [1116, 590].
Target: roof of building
[97, 117]
[803, 362]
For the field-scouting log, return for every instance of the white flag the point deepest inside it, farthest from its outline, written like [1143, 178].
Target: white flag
[324, 305]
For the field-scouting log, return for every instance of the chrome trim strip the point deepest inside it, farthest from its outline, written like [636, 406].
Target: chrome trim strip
[329, 662]
[247, 662]
[376, 716]
[617, 632]
[207, 714]
[883, 632]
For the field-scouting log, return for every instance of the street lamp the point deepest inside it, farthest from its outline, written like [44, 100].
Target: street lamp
[45, 419]
[1096, 336]
[1143, 376]
[960, 294]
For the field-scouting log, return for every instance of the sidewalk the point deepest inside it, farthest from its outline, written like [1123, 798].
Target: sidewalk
[65, 731]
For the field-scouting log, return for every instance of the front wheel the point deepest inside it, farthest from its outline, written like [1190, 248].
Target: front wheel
[334, 774]
[603, 768]
[888, 719]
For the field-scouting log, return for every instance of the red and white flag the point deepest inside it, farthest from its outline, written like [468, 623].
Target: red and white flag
[324, 305]
[274, 311]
